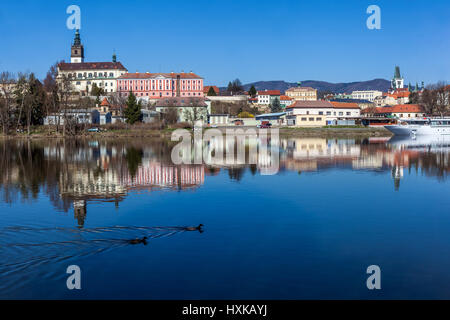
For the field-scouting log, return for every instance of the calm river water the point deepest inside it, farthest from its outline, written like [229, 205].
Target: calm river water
[335, 207]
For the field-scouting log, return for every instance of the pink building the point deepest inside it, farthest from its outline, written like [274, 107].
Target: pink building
[161, 85]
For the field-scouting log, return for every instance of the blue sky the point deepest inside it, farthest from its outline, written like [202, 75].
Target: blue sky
[223, 40]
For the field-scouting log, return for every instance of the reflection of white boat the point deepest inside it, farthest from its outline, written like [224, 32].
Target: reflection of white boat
[421, 127]
[425, 142]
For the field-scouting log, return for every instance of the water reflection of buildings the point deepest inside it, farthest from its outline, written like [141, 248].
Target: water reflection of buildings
[73, 174]
[105, 172]
[312, 154]
[157, 175]
[375, 154]
[85, 185]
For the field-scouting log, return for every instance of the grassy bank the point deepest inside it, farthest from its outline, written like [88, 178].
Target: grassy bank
[338, 131]
[149, 132]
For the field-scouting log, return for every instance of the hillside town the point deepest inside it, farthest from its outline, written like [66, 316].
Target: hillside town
[79, 95]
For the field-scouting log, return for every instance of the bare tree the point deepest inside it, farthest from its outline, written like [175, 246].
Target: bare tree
[195, 111]
[442, 92]
[65, 90]
[428, 100]
[119, 102]
[51, 88]
[435, 99]
[7, 84]
[22, 93]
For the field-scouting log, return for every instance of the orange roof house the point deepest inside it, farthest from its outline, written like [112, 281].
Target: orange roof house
[397, 109]
[344, 105]
[207, 88]
[104, 103]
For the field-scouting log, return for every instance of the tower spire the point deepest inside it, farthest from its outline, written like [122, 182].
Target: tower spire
[77, 40]
[77, 49]
[397, 73]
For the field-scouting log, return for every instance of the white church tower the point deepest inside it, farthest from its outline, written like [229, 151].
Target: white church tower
[397, 82]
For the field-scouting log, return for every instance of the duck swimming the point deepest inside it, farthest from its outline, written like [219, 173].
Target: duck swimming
[138, 241]
[199, 228]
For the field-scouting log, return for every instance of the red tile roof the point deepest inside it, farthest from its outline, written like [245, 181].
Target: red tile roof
[285, 98]
[170, 75]
[400, 108]
[104, 103]
[206, 89]
[399, 94]
[63, 66]
[311, 104]
[269, 93]
[344, 105]
[411, 108]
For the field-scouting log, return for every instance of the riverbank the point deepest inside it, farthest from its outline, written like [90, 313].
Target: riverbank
[364, 132]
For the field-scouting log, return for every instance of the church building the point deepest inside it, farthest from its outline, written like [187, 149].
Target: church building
[85, 74]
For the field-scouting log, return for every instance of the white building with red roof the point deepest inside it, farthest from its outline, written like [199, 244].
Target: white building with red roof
[321, 113]
[84, 75]
[266, 97]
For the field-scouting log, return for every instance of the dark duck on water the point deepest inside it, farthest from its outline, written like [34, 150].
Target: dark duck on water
[199, 228]
[138, 241]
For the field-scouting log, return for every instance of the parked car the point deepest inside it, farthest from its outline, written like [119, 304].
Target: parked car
[94, 129]
[264, 125]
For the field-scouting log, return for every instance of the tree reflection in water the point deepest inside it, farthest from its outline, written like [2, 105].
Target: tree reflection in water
[72, 173]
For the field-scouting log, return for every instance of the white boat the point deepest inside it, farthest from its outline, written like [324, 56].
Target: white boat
[426, 143]
[421, 127]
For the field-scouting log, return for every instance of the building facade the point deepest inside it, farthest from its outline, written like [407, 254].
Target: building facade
[266, 97]
[369, 95]
[302, 93]
[321, 113]
[286, 101]
[161, 85]
[188, 109]
[401, 111]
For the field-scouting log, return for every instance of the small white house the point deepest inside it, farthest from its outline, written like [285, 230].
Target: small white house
[89, 116]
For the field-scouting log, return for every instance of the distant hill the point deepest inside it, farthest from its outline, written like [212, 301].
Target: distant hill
[376, 84]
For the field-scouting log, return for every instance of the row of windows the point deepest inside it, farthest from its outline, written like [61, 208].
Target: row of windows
[160, 94]
[189, 82]
[311, 119]
[91, 75]
[126, 88]
[99, 84]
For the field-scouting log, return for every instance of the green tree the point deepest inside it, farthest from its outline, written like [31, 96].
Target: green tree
[38, 100]
[133, 110]
[211, 92]
[30, 99]
[276, 106]
[230, 87]
[96, 91]
[252, 92]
